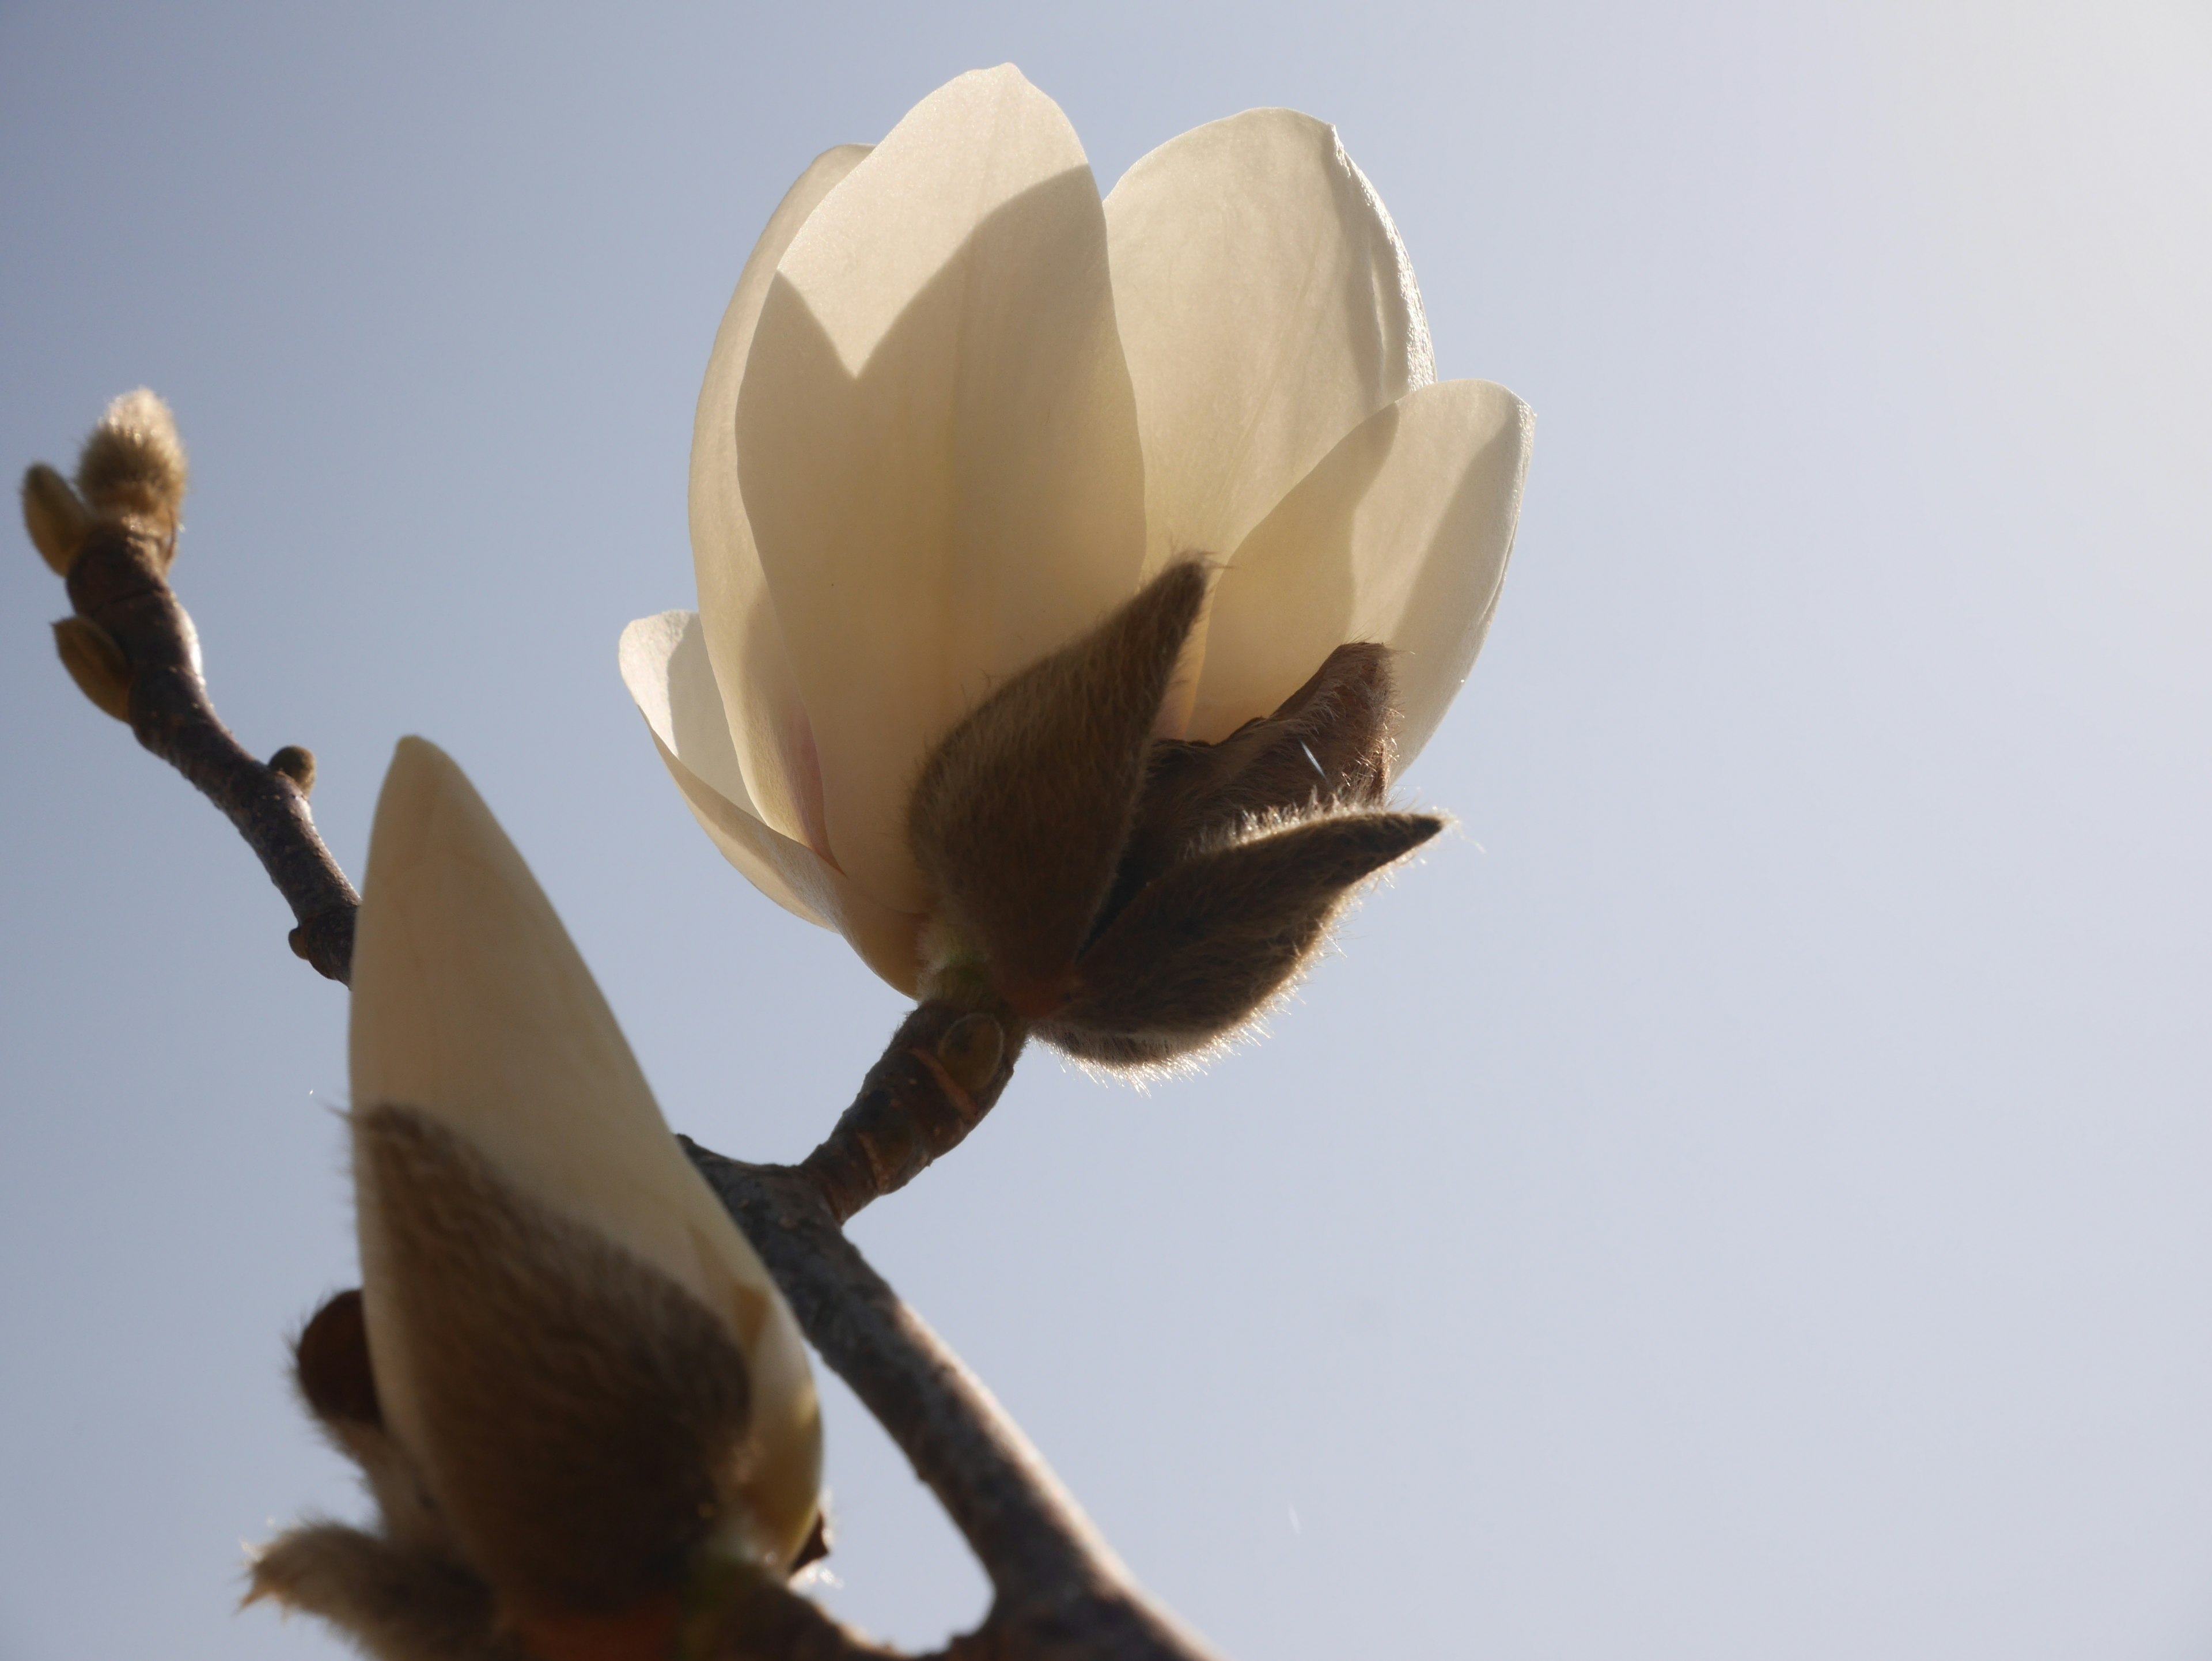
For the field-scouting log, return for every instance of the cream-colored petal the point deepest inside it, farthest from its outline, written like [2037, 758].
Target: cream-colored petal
[770, 736]
[937, 443]
[1266, 308]
[664, 664]
[472, 1004]
[1399, 536]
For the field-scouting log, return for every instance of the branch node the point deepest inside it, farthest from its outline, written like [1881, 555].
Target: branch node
[942, 1071]
[325, 940]
[970, 1050]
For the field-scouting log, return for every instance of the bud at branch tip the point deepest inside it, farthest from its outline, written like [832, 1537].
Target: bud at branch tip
[133, 467]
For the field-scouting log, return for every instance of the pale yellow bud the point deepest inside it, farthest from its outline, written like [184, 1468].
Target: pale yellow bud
[54, 516]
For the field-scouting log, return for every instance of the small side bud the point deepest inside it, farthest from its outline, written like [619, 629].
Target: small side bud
[970, 1050]
[297, 764]
[330, 1364]
[55, 516]
[96, 664]
[133, 465]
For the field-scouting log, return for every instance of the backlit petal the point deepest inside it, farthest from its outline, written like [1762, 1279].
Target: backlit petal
[1266, 308]
[769, 730]
[472, 1004]
[1399, 536]
[937, 443]
[664, 663]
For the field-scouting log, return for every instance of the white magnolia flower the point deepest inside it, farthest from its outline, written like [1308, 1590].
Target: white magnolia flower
[959, 410]
[578, 1375]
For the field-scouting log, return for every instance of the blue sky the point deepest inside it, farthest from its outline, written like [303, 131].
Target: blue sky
[1740, 1196]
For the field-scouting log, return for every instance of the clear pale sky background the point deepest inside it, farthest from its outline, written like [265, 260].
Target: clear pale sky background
[1748, 1194]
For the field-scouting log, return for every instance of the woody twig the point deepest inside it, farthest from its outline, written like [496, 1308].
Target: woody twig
[1060, 1592]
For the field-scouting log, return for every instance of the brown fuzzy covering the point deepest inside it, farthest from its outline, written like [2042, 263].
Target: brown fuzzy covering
[399, 1603]
[1021, 814]
[584, 1414]
[1139, 899]
[1328, 747]
[1205, 947]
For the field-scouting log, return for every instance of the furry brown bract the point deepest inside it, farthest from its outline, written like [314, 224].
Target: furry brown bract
[585, 1417]
[1139, 898]
[398, 1602]
[1213, 940]
[1023, 811]
[583, 1412]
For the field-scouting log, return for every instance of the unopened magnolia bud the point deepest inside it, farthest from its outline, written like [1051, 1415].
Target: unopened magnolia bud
[297, 764]
[133, 465]
[55, 517]
[568, 1380]
[588, 1414]
[96, 664]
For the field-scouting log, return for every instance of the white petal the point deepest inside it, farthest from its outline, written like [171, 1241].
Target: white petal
[768, 723]
[1399, 536]
[664, 664]
[471, 1005]
[937, 443]
[664, 660]
[1266, 308]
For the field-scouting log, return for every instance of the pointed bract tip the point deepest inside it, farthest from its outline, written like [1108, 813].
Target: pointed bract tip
[1206, 948]
[133, 465]
[1021, 811]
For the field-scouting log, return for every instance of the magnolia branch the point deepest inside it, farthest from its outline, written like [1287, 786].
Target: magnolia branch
[133, 649]
[1060, 1592]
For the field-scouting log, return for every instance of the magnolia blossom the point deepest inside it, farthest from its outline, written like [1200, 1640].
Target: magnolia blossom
[960, 410]
[567, 1372]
